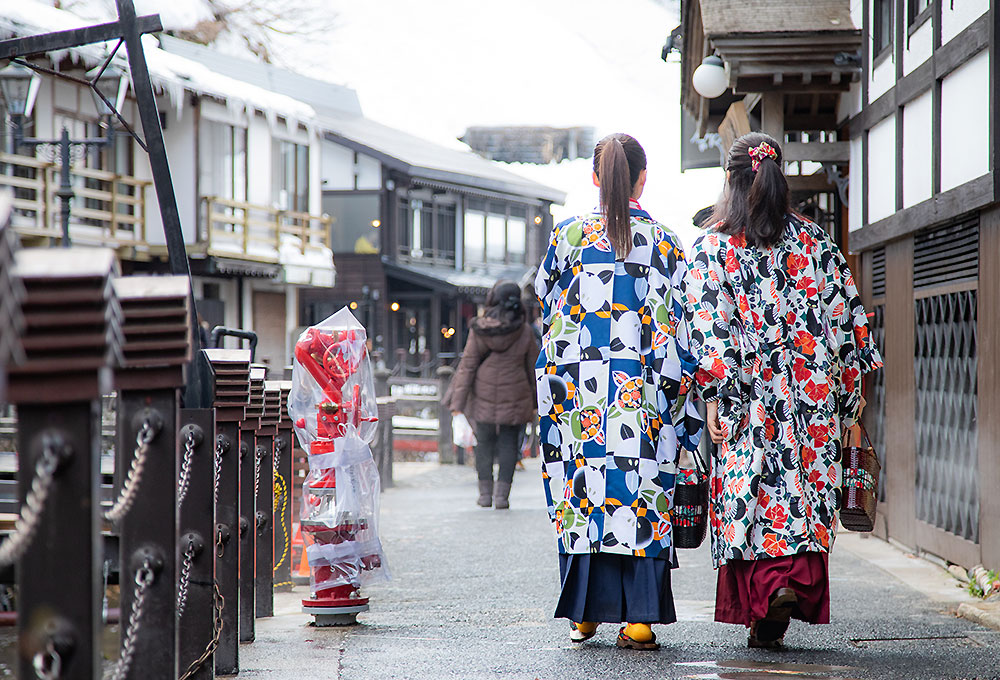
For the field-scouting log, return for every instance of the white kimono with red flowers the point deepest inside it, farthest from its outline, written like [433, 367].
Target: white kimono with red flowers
[781, 339]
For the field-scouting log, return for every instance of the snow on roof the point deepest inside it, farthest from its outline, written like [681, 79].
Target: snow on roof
[430, 161]
[340, 113]
[317, 93]
[173, 73]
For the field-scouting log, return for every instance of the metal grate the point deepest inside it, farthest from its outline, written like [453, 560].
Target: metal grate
[878, 272]
[947, 254]
[945, 367]
[875, 395]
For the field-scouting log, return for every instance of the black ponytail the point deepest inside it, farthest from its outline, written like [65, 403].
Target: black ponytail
[618, 160]
[755, 202]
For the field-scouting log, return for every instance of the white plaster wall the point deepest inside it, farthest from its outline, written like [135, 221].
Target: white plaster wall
[178, 137]
[315, 161]
[259, 161]
[369, 172]
[228, 291]
[956, 15]
[965, 122]
[213, 110]
[883, 77]
[43, 111]
[917, 48]
[337, 166]
[849, 103]
[857, 12]
[882, 170]
[854, 195]
[917, 150]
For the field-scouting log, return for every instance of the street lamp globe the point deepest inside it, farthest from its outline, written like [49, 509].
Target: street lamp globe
[710, 79]
[15, 84]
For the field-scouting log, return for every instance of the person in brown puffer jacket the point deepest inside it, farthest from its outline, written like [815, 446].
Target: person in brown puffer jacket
[495, 387]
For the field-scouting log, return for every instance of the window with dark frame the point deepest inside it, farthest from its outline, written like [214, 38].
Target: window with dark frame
[290, 175]
[916, 9]
[882, 26]
[427, 229]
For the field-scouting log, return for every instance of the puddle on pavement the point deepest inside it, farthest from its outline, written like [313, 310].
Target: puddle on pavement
[744, 669]
[762, 675]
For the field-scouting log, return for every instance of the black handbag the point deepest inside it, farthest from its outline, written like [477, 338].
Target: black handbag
[690, 515]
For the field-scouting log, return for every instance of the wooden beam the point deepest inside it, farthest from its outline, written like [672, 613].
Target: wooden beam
[988, 389]
[734, 125]
[747, 84]
[772, 118]
[828, 152]
[949, 205]
[900, 391]
[808, 123]
[810, 183]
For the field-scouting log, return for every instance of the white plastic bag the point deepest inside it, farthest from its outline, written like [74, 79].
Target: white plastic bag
[461, 432]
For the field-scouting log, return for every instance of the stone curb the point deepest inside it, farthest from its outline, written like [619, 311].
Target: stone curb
[984, 613]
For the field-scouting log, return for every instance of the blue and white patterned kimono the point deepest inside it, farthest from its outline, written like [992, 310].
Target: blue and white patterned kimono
[612, 378]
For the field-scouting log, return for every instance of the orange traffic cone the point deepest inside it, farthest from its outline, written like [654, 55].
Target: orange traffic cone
[301, 575]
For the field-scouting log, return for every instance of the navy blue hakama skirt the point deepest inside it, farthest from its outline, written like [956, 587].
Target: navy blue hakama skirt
[608, 588]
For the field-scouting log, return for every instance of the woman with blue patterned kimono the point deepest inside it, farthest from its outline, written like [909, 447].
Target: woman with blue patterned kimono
[612, 379]
[782, 343]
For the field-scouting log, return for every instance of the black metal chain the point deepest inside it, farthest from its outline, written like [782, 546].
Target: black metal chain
[213, 644]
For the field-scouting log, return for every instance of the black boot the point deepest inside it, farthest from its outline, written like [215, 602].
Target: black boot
[485, 493]
[500, 501]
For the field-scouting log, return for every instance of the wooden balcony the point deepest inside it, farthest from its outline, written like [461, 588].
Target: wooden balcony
[108, 209]
[265, 234]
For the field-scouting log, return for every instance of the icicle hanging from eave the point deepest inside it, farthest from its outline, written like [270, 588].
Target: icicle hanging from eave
[272, 119]
[236, 108]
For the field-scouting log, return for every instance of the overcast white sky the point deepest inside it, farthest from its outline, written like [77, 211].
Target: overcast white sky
[434, 68]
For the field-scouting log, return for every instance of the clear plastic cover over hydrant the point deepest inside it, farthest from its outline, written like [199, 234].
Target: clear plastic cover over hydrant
[332, 404]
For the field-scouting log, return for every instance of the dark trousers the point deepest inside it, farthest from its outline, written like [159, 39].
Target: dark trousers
[496, 442]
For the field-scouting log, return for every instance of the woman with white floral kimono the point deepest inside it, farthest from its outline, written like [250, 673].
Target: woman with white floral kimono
[782, 343]
[612, 381]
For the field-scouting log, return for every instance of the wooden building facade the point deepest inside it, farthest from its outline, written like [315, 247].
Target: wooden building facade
[893, 103]
[925, 218]
[421, 233]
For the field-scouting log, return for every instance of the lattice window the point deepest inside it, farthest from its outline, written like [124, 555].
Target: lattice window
[875, 395]
[946, 456]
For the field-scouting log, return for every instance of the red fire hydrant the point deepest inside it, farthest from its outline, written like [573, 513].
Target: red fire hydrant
[333, 401]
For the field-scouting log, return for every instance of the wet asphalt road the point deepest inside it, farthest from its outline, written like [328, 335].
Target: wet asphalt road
[474, 590]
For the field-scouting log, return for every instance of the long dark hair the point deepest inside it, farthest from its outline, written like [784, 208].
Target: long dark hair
[755, 201]
[618, 160]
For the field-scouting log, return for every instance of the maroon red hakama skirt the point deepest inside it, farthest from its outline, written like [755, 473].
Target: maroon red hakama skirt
[745, 587]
